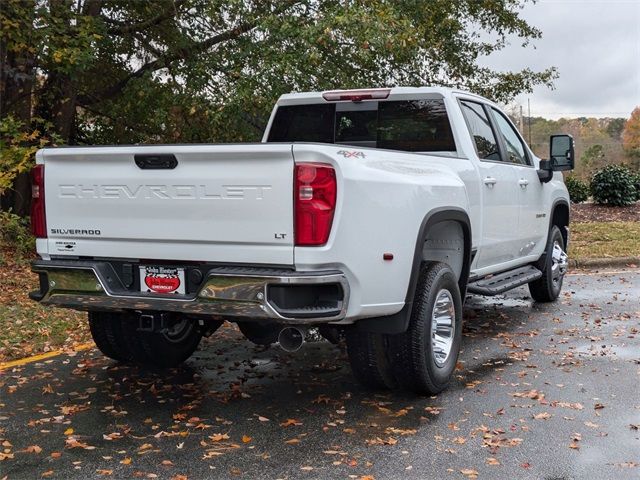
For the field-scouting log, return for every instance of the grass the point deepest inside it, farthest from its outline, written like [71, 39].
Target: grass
[604, 240]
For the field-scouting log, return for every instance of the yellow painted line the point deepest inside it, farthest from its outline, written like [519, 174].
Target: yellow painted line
[43, 356]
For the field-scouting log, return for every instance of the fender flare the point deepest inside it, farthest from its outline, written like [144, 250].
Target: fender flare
[554, 205]
[399, 322]
[565, 234]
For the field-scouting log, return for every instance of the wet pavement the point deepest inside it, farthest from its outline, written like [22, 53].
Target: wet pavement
[541, 392]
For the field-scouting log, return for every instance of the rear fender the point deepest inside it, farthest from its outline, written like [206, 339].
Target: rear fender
[399, 322]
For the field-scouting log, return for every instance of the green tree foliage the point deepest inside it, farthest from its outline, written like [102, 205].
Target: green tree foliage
[615, 128]
[592, 155]
[613, 185]
[636, 184]
[578, 190]
[122, 71]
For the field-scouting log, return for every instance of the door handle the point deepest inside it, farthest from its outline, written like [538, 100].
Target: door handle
[489, 181]
[523, 182]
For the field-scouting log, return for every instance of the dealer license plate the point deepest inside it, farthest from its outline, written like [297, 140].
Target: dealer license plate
[166, 280]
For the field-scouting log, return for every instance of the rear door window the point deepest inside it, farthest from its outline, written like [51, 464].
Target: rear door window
[412, 126]
[481, 131]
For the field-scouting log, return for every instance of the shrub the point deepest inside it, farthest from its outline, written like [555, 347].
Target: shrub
[14, 231]
[613, 185]
[578, 190]
[636, 184]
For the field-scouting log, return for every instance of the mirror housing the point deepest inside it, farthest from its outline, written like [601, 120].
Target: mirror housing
[561, 157]
[561, 153]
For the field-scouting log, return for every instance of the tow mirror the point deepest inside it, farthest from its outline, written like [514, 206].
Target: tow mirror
[561, 153]
[561, 157]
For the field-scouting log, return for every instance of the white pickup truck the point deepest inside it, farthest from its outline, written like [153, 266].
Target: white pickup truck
[363, 214]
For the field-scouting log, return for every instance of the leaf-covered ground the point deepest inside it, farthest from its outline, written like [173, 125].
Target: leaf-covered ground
[541, 391]
[27, 328]
[590, 212]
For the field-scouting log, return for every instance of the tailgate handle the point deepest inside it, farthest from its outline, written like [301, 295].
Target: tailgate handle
[150, 161]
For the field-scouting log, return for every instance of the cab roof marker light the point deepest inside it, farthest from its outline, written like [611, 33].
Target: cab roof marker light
[357, 95]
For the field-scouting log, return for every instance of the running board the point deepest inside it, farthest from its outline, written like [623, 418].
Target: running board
[504, 281]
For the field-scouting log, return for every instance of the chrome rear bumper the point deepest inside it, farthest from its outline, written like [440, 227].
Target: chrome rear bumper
[225, 292]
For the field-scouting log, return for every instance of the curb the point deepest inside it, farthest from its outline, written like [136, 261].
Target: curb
[604, 262]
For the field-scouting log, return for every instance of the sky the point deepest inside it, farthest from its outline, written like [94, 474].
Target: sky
[595, 44]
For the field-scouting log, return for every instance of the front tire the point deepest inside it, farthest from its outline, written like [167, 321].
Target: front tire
[424, 357]
[547, 288]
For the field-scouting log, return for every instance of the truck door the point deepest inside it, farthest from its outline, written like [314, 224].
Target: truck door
[533, 221]
[499, 191]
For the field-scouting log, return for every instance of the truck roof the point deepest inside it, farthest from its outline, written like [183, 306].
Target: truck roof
[318, 97]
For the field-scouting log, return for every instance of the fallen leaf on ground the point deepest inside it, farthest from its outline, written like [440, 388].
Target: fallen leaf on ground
[290, 421]
[469, 472]
[542, 416]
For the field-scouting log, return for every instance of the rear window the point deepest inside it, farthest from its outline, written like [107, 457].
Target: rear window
[412, 126]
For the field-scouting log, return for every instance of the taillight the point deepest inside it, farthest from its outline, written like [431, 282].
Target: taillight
[38, 220]
[357, 95]
[314, 202]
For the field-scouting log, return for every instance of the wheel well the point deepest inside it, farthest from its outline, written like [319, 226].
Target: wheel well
[445, 243]
[560, 218]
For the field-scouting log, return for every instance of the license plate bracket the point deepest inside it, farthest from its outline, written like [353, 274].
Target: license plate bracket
[162, 280]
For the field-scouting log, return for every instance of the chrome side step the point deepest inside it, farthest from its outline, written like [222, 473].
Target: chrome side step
[501, 282]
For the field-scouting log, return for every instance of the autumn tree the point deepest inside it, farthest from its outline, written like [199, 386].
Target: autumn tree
[631, 137]
[121, 71]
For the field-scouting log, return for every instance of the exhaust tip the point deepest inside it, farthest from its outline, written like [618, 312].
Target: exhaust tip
[291, 339]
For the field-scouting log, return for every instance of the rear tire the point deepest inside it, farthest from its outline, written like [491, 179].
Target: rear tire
[547, 288]
[172, 347]
[424, 357]
[368, 358]
[260, 333]
[106, 331]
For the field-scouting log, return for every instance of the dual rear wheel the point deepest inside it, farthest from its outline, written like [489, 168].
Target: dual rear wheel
[118, 337]
[423, 358]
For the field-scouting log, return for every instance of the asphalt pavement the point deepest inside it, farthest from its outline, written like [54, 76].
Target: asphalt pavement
[541, 391]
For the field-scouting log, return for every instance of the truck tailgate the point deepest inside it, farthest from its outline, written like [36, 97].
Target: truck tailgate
[221, 203]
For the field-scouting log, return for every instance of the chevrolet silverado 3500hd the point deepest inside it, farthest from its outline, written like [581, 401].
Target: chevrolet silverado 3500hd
[363, 213]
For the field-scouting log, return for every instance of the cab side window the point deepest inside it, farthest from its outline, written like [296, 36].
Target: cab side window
[516, 151]
[481, 131]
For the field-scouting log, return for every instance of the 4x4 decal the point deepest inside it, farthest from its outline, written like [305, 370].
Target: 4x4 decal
[351, 153]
